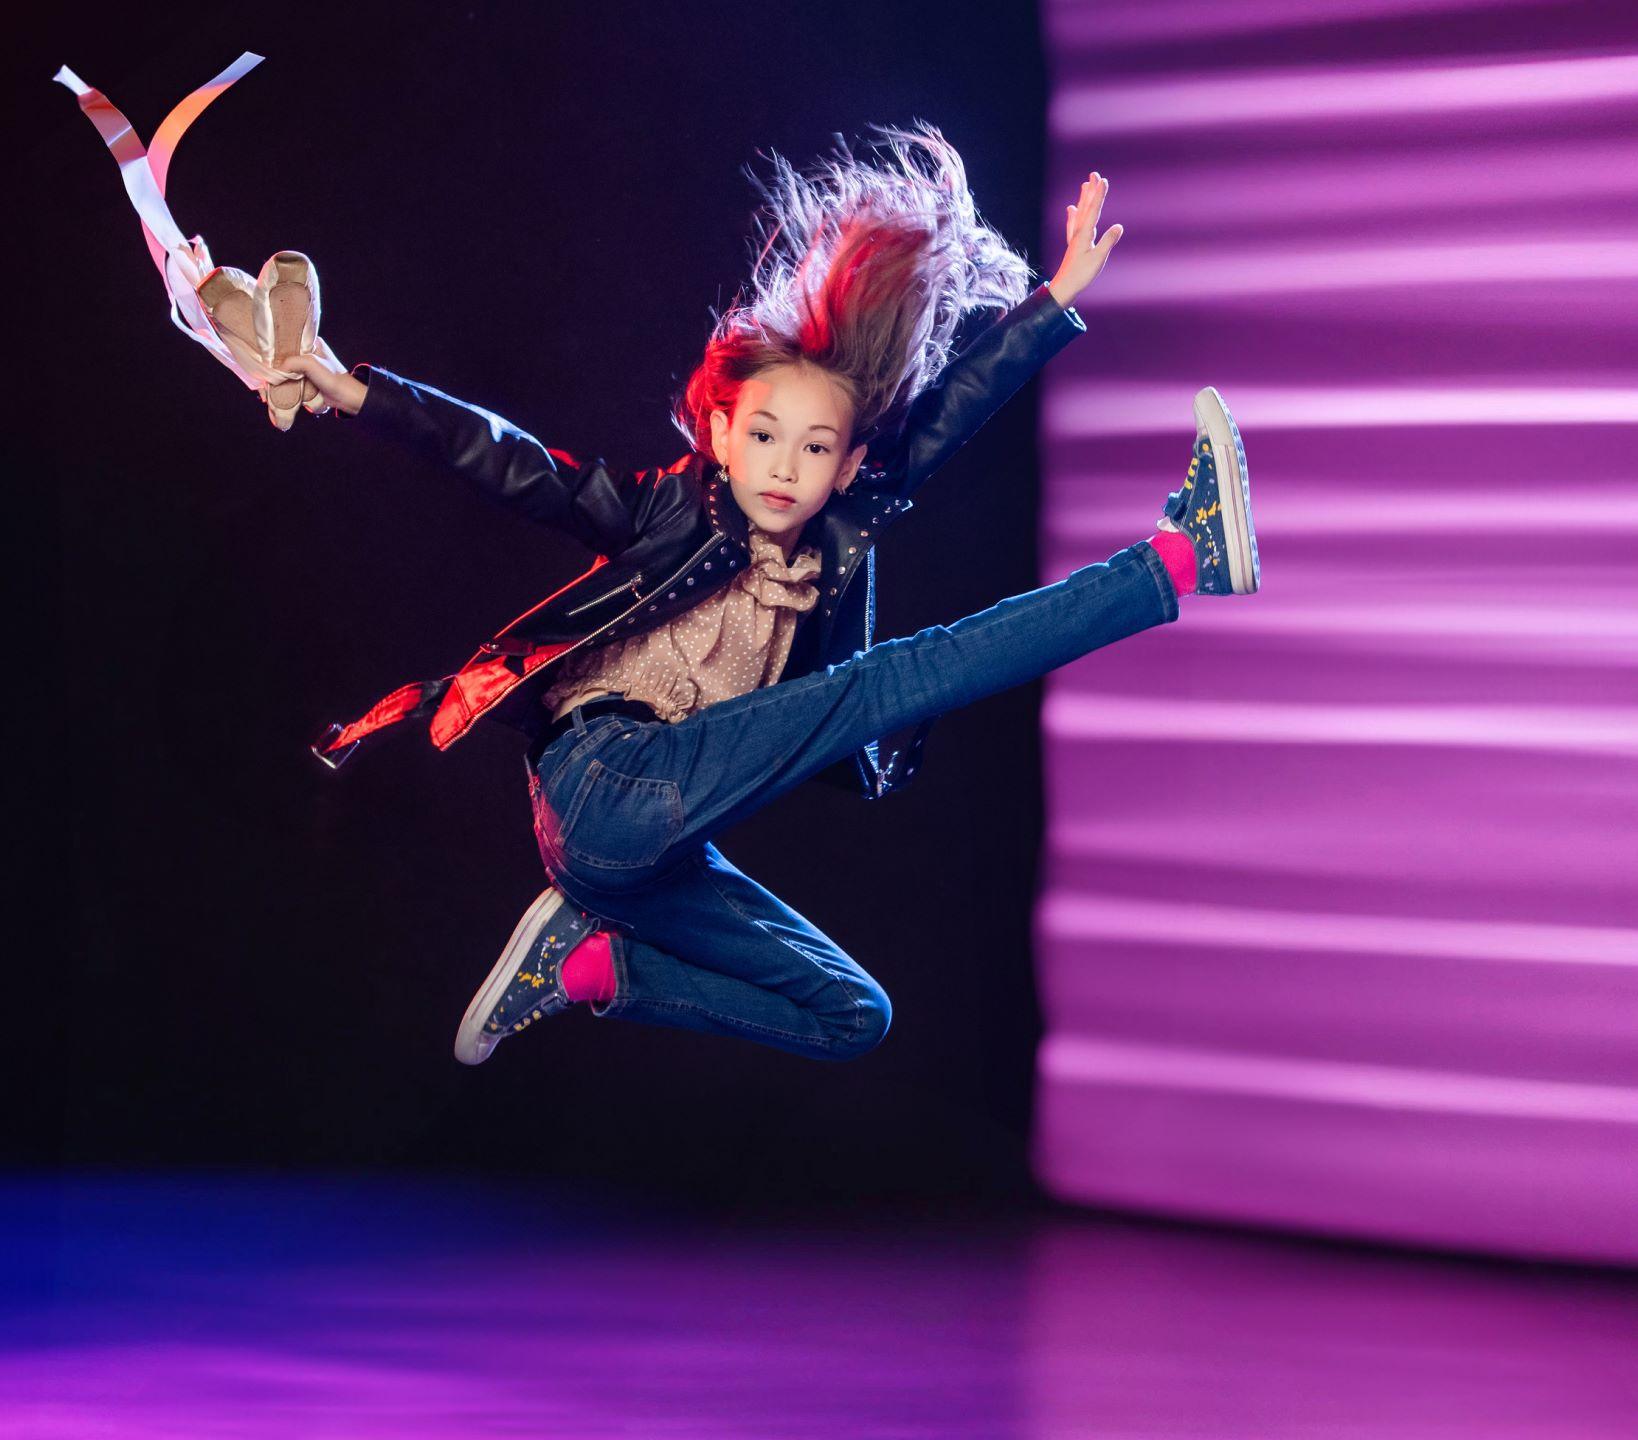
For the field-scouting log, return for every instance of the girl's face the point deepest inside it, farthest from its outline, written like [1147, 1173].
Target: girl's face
[785, 447]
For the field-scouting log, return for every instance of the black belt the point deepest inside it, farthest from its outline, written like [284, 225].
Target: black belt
[602, 705]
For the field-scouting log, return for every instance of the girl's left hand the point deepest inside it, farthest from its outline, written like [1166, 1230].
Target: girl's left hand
[326, 374]
[1087, 250]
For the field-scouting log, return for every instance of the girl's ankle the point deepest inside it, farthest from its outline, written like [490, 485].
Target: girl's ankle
[588, 969]
[1176, 553]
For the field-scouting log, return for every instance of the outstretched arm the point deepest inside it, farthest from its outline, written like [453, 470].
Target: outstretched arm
[600, 506]
[980, 380]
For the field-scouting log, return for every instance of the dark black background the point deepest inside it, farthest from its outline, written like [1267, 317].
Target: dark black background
[257, 962]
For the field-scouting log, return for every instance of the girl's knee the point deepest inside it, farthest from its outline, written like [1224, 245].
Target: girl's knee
[873, 1016]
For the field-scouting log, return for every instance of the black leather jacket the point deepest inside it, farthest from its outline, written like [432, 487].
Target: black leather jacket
[666, 538]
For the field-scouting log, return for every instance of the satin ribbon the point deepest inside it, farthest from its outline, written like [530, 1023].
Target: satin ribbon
[183, 264]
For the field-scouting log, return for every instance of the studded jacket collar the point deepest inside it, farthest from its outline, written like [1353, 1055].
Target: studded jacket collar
[665, 538]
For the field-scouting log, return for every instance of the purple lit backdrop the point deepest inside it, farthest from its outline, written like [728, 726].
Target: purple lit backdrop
[1339, 924]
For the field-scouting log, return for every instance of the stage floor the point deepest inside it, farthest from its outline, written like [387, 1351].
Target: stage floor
[305, 1308]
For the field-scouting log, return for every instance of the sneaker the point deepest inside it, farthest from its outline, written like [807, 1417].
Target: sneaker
[527, 982]
[1214, 506]
[287, 323]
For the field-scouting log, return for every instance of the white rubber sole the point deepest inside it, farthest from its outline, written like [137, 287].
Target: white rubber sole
[474, 1044]
[1212, 419]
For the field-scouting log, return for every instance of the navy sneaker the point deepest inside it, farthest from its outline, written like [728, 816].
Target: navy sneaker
[526, 984]
[1214, 506]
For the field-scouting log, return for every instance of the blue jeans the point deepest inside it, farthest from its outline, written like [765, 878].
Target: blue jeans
[625, 810]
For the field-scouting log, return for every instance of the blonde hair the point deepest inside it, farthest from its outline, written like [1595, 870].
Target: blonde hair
[865, 270]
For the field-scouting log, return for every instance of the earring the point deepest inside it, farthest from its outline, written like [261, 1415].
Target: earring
[722, 474]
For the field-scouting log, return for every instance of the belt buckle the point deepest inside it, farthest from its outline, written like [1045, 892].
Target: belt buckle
[338, 758]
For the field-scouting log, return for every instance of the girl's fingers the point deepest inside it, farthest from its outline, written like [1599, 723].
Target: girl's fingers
[1095, 198]
[1081, 218]
[1090, 205]
[1094, 211]
[314, 367]
[1075, 218]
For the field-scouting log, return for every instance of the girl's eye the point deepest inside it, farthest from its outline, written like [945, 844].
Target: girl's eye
[818, 449]
[761, 435]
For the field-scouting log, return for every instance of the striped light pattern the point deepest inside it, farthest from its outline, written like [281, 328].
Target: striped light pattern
[1338, 929]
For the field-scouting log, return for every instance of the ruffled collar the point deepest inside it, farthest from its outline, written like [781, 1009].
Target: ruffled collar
[776, 581]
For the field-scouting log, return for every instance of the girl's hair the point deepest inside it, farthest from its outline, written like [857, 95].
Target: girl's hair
[865, 270]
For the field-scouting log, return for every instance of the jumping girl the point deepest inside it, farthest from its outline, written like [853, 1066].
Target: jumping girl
[718, 653]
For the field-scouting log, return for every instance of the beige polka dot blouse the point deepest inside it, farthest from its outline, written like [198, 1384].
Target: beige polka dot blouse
[731, 643]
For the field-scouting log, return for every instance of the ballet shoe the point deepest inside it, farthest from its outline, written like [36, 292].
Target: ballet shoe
[286, 312]
[228, 296]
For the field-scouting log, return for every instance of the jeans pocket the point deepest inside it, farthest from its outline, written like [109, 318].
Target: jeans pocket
[621, 822]
[571, 747]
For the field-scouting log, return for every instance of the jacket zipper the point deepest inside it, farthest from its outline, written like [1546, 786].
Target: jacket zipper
[630, 584]
[520, 646]
[688, 565]
[516, 645]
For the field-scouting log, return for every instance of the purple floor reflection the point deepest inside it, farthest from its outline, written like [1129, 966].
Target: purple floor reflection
[206, 1307]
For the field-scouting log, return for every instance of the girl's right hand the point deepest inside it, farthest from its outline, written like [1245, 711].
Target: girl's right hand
[1085, 250]
[328, 376]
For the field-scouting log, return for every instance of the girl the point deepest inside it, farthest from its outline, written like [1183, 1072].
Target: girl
[719, 651]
